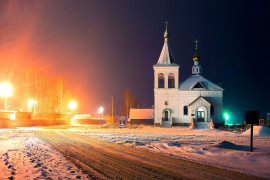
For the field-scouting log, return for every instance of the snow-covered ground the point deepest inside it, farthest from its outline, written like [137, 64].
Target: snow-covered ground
[229, 150]
[24, 156]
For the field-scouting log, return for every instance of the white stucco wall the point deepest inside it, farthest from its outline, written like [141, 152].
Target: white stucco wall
[177, 99]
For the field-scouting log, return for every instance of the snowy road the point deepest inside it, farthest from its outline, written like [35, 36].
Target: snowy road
[104, 160]
[24, 157]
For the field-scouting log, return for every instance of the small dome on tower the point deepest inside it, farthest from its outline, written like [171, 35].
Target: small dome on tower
[196, 56]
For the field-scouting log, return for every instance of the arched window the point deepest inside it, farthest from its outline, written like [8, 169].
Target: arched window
[212, 110]
[171, 81]
[161, 80]
[185, 110]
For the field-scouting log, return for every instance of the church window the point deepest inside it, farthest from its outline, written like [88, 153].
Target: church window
[161, 80]
[198, 85]
[171, 81]
[185, 110]
[212, 110]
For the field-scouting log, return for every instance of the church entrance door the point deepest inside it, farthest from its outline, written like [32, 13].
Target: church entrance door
[166, 116]
[200, 115]
[166, 119]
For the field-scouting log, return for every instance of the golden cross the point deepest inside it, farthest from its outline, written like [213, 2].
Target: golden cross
[166, 23]
[196, 43]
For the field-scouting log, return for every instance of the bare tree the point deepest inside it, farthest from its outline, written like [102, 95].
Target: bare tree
[129, 101]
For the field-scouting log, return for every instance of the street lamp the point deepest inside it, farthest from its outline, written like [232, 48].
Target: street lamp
[32, 104]
[72, 105]
[101, 110]
[5, 91]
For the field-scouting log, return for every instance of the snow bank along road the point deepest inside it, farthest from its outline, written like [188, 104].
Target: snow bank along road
[104, 160]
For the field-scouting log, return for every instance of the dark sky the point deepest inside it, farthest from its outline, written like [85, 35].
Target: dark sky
[104, 47]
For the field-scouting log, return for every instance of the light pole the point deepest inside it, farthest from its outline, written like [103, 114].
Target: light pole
[5, 91]
[32, 107]
[101, 110]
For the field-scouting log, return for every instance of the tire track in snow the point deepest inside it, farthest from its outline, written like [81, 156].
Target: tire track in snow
[104, 160]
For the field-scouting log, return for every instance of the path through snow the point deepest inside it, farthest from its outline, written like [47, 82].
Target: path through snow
[23, 156]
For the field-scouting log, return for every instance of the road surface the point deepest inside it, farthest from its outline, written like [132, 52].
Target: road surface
[104, 160]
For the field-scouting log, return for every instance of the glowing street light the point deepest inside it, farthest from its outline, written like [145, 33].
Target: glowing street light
[226, 116]
[228, 119]
[72, 105]
[5, 91]
[101, 110]
[32, 104]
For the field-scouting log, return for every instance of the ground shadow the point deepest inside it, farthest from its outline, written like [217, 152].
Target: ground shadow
[229, 145]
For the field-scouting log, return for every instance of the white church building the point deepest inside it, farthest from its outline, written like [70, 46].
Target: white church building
[178, 104]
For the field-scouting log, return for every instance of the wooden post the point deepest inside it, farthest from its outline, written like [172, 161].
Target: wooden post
[251, 138]
[268, 119]
[112, 110]
[252, 117]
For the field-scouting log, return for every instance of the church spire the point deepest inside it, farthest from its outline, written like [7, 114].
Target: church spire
[166, 56]
[196, 69]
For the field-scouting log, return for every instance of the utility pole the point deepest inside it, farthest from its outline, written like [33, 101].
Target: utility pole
[127, 103]
[112, 108]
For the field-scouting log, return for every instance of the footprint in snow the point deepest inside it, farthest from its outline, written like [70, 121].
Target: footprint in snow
[38, 165]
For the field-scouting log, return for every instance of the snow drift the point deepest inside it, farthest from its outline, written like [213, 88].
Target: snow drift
[258, 131]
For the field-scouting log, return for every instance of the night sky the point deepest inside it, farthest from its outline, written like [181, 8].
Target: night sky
[105, 47]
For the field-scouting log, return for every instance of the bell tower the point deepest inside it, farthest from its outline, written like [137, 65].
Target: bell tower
[166, 72]
[166, 78]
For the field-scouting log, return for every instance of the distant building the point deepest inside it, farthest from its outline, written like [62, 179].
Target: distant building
[196, 98]
[141, 116]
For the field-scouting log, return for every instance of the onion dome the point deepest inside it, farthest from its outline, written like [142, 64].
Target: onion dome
[196, 56]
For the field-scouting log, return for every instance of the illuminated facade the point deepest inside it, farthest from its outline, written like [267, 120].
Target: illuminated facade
[177, 104]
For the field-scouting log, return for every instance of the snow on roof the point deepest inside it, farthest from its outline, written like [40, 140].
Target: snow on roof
[141, 113]
[197, 100]
[190, 82]
[211, 101]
